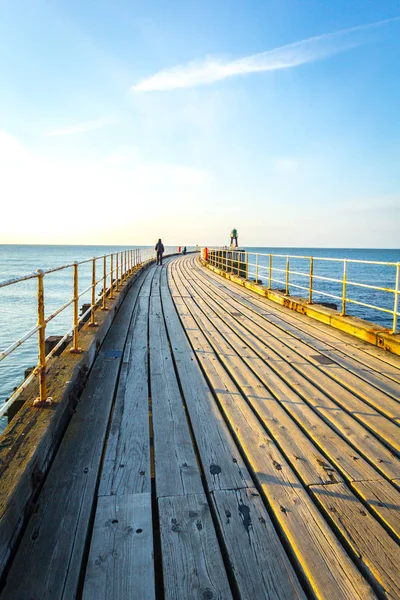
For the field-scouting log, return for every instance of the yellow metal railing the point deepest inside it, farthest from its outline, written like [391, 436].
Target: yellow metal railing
[238, 262]
[117, 267]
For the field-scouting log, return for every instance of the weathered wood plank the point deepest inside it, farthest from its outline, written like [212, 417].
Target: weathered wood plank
[354, 354]
[376, 554]
[311, 466]
[30, 441]
[192, 563]
[223, 465]
[120, 564]
[334, 415]
[384, 500]
[349, 462]
[49, 559]
[126, 467]
[381, 426]
[324, 336]
[175, 461]
[328, 569]
[257, 558]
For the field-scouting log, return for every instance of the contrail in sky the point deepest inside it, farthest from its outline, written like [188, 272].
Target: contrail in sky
[212, 69]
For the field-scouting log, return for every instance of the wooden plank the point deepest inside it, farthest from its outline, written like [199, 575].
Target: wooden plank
[175, 461]
[325, 565]
[334, 415]
[382, 427]
[30, 441]
[222, 463]
[126, 467]
[256, 555]
[315, 333]
[375, 358]
[349, 462]
[307, 461]
[49, 558]
[384, 500]
[120, 563]
[56, 534]
[191, 558]
[374, 551]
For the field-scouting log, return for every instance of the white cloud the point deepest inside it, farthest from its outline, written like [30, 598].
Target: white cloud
[50, 200]
[212, 69]
[82, 127]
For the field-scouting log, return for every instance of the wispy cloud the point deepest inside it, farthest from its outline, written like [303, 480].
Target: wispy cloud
[82, 127]
[213, 69]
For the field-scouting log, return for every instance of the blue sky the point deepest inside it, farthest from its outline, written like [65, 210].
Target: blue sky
[126, 121]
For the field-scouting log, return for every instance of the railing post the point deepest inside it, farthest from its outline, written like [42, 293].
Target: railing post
[41, 339]
[112, 277]
[287, 277]
[344, 287]
[247, 265]
[310, 292]
[75, 348]
[396, 299]
[116, 272]
[93, 303]
[270, 272]
[257, 268]
[104, 306]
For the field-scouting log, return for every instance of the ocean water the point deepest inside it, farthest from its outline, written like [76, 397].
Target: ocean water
[18, 301]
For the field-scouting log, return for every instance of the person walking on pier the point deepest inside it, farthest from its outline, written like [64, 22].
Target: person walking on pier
[234, 236]
[159, 248]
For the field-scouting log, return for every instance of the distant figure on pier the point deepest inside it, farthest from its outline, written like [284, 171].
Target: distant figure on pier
[184, 250]
[159, 248]
[234, 236]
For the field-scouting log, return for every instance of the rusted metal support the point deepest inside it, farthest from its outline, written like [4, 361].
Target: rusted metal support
[396, 298]
[41, 339]
[270, 272]
[75, 346]
[344, 288]
[257, 268]
[287, 277]
[310, 291]
[112, 277]
[93, 302]
[104, 305]
[116, 272]
[42, 399]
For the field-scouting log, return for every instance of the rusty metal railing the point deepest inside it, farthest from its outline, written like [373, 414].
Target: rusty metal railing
[239, 262]
[117, 267]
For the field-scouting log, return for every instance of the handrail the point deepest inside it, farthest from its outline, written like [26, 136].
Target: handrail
[120, 266]
[236, 261]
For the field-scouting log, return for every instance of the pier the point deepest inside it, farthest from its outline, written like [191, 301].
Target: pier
[224, 446]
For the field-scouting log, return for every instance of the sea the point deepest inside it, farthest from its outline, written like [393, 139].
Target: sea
[18, 301]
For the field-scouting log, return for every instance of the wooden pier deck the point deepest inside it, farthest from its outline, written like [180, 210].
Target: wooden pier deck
[224, 447]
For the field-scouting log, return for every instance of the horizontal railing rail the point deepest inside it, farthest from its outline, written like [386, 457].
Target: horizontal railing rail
[115, 269]
[276, 269]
